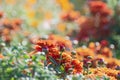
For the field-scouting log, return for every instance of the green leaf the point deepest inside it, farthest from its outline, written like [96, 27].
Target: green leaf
[8, 70]
[34, 58]
[26, 56]
[62, 68]
[42, 57]
[12, 78]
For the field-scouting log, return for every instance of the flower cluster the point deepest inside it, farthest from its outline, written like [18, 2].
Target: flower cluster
[61, 41]
[99, 7]
[70, 15]
[105, 71]
[99, 52]
[96, 55]
[57, 55]
[34, 49]
[97, 24]
[8, 26]
[98, 60]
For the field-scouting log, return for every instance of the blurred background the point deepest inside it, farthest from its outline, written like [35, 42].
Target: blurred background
[82, 20]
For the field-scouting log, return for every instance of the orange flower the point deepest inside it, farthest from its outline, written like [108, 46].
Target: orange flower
[68, 66]
[81, 20]
[106, 11]
[84, 52]
[99, 7]
[1, 56]
[6, 38]
[54, 50]
[106, 71]
[96, 6]
[17, 22]
[7, 23]
[47, 43]
[6, 31]
[64, 58]
[70, 15]
[101, 72]
[65, 4]
[106, 52]
[38, 48]
[92, 46]
[60, 41]
[112, 63]
[1, 14]
[77, 66]
[13, 24]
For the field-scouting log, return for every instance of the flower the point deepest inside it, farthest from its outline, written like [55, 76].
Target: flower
[104, 43]
[56, 53]
[66, 5]
[66, 57]
[105, 71]
[1, 14]
[97, 25]
[77, 66]
[84, 52]
[1, 56]
[92, 46]
[106, 52]
[38, 48]
[96, 6]
[60, 41]
[70, 15]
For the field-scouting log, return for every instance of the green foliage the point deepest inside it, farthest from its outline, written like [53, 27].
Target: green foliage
[15, 65]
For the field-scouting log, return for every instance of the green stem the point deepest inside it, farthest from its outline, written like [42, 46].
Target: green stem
[60, 57]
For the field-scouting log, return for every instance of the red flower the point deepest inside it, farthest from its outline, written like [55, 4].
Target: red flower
[96, 6]
[77, 66]
[1, 14]
[38, 48]
[68, 66]
[104, 43]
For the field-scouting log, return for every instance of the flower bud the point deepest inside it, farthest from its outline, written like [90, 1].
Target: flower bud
[117, 67]
[118, 76]
[89, 63]
[100, 61]
[104, 43]
[45, 49]
[73, 52]
[89, 57]
[62, 48]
